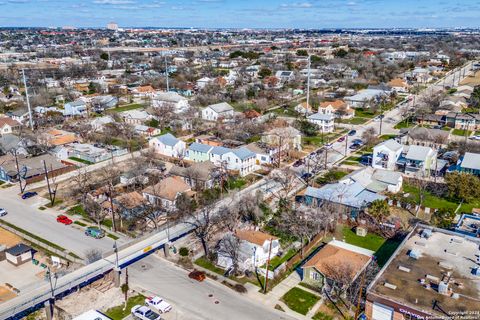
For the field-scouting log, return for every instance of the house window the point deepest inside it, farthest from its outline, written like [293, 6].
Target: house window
[314, 276]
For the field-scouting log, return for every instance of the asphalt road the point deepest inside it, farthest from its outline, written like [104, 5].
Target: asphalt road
[191, 299]
[26, 215]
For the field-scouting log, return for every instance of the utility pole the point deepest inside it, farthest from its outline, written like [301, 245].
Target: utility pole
[346, 144]
[268, 266]
[166, 73]
[22, 187]
[28, 99]
[51, 193]
[381, 121]
[357, 311]
[308, 87]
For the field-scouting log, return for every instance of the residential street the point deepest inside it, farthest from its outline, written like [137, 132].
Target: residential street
[26, 215]
[191, 299]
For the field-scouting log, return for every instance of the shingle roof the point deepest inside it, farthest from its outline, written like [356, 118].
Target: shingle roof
[391, 144]
[168, 188]
[253, 236]
[471, 161]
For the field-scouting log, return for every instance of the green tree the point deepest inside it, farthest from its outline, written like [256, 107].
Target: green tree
[443, 218]
[302, 53]
[463, 186]
[307, 128]
[340, 53]
[264, 72]
[104, 56]
[379, 209]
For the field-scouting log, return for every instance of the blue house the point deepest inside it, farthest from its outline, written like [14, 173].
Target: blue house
[470, 163]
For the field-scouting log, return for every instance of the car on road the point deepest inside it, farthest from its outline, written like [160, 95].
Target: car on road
[144, 313]
[328, 145]
[475, 137]
[197, 275]
[341, 139]
[297, 163]
[306, 175]
[64, 219]
[352, 132]
[94, 232]
[158, 304]
[357, 141]
[3, 212]
[29, 194]
[355, 146]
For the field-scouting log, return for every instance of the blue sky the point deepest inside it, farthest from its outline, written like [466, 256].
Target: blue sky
[242, 13]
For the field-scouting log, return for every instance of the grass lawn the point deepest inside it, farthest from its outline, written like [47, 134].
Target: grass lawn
[322, 316]
[277, 261]
[387, 136]
[331, 176]
[430, 200]
[362, 113]
[300, 300]
[207, 264]
[315, 140]
[355, 120]
[80, 223]
[128, 107]
[80, 160]
[117, 313]
[235, 183]
[407, 123]
[461, 132]
[285, 112]
[383, 248]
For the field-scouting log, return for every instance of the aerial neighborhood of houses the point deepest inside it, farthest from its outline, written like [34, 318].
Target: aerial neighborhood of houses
[321, 175]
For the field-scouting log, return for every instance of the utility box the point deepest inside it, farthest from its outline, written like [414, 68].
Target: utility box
[361, 232]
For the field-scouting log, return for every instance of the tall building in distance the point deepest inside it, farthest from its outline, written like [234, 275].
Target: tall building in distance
[112, 26]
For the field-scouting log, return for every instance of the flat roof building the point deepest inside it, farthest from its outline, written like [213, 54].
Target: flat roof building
[434, 273]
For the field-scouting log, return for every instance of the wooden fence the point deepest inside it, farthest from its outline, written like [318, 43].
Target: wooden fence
[306, 249]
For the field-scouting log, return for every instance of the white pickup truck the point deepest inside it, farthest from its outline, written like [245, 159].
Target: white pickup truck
[144, 313]
[158, 304]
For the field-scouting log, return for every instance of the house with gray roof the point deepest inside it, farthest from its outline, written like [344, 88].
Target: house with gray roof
[218, 111]
[325, 122]
[470, 163]
[168, 145]
[75, 108]
[375, 180]
[353, 197]
[418, 160]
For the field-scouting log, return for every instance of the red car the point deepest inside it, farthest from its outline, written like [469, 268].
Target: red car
[197, 275]
[64, 219]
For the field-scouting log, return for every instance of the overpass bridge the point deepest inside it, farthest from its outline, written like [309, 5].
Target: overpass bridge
[24, 304]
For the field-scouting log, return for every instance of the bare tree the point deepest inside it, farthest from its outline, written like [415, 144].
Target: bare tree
[92, 255]
[109, 176]
[229, 247]
[203, 223]
[95, 211]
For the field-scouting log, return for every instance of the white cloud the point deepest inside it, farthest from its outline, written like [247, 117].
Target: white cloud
[114, 2]
[297, 5]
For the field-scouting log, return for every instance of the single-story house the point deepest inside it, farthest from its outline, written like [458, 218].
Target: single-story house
[219, 111]
[470, 163]
[199, 176]
[336, 261]
[75, 108]
[167, 191]
[8, 125]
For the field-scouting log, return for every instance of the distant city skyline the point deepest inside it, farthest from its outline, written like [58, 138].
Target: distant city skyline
[242, 14]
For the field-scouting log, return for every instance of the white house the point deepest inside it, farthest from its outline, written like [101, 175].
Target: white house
[253, 251]
[168, 146]
[75, 108]
[8, 125]
[285, 75]
[202, 83]
[164, 99]
[386, 154]
[135, 116]
[363, 97]
[325, 122]
[241, 160]
[218, 111]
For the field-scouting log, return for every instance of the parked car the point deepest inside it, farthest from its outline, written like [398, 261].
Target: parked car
[29, 194]
[297, 163]
[158, 304]
[94, 232]
[306, 175]
[352, 132]
[475, 137]
[354, 146]
[64, 219]
[341, 139]
[357, 141]
[197, 275]
[144, 313]
[366, 159]
[3, 212]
